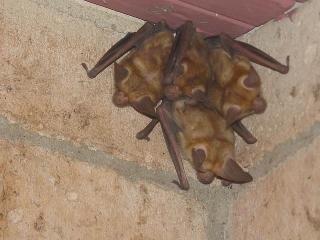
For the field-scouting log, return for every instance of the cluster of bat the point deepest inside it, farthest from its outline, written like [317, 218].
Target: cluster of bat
[198, 88]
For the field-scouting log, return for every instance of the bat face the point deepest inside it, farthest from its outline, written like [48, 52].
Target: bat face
[236, 91]
[206, 139]
[138, 76]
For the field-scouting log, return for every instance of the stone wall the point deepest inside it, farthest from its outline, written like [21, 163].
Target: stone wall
[70, 165]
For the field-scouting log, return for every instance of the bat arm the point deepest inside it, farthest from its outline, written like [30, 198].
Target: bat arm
[172, 145]
[254, 54]
[144, 133]
[130, 41]
[181, 43]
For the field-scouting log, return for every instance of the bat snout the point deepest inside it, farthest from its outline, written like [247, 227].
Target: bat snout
[120, 99]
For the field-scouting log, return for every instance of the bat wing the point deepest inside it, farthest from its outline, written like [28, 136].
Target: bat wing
[253, 54]
[130, 41]
[181, 43]
[169, 130]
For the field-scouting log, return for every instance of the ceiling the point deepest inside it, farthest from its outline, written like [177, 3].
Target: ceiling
[234, 17]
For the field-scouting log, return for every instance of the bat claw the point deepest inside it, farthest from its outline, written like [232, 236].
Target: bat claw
[181, 186]
[85, 67]
[288, 62]
[90, 75]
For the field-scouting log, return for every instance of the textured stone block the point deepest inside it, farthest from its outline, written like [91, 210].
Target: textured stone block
[284, 204]
[44, 87]
[48, 196]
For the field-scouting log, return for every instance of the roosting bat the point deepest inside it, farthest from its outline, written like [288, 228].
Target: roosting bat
[206, 139]
[138, 76]
[236, 89]
[198, 89]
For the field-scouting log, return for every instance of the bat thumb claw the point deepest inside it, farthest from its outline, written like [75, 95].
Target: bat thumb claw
[85, 67]
[181, 186]
[288, 62]
[90, 75]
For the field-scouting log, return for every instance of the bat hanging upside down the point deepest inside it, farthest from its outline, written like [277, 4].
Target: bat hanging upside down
[198, 88]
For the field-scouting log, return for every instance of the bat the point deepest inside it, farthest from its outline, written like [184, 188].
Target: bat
[138, 76]
[236, 89]
[206, 139]
[188, 72]
[197, 88]
[138, 81]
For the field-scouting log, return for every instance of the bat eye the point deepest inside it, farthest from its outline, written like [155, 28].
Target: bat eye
[259, 105]
[120, 99]
[120, 72]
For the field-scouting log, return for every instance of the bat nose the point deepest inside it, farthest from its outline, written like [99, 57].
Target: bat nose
[259, 105]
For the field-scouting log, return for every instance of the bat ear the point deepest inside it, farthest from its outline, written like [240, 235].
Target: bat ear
[120, 72]
[231, 171]
[254, 54]
[233, 114]
[198, 157]
[252, 80]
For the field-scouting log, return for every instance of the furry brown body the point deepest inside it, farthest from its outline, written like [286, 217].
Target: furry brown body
[207, 141]
[236, 89]
[138, 76]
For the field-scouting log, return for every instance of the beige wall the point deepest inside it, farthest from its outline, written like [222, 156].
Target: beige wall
[71, 167]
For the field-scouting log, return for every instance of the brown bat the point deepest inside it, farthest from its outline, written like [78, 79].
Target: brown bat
[138, 76]
[206, 139]
[236, 89]
[139, 80]
[188, 72]
[168, 77]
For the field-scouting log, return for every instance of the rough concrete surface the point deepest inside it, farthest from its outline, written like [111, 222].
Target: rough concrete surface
[71, 168]
[41, 57]
[284, 204]
[48, 196]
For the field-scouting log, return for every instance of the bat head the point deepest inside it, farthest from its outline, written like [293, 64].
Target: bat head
[236, 91]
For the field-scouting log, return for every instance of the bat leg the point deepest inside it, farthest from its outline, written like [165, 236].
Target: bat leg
[232, 172]
[168, 129]
[253, 54]
[182, 40]
[243, 132]
[144, 133]
[130, 41]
